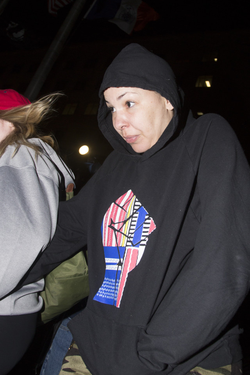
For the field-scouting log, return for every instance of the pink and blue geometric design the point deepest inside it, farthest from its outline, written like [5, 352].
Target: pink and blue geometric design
[125, 230]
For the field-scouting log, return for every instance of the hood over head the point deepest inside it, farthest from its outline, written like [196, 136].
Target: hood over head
[135, 66]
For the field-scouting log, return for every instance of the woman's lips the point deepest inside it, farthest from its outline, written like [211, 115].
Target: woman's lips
[131, 139]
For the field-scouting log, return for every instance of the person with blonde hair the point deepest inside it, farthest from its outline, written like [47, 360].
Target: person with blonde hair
[32, 180]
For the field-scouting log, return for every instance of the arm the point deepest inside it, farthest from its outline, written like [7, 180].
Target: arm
[215, 279]
[69, 239]
[28, 214]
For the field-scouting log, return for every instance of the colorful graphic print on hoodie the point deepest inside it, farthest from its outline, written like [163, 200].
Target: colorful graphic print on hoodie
[125, 230]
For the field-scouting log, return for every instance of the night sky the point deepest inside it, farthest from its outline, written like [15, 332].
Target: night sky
[176, 16]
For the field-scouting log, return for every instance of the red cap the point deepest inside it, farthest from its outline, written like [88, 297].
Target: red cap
[10, 99]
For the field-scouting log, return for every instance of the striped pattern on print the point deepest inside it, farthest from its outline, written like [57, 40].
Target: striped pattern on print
[126, 227]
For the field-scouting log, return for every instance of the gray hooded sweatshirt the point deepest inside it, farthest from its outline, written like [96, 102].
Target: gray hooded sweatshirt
[29, 190]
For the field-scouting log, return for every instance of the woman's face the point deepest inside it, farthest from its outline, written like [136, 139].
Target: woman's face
[139, 116]
[6, 128]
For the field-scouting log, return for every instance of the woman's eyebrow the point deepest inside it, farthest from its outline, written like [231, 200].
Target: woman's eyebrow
[122, 95]
[125, 93]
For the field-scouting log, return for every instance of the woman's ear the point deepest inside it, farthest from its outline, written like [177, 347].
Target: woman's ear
[168, 105]
[11, 126]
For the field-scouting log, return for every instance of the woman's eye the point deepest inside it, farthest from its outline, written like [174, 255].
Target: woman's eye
[130, 104]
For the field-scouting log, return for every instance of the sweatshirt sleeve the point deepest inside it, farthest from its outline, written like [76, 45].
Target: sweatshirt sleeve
[215, 279]
[29, 204]
[69, 239]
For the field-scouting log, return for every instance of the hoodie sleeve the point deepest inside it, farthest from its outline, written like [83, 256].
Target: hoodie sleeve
[29, 204]
[215, 279]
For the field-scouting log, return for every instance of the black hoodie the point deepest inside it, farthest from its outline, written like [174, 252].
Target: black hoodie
[168, 239]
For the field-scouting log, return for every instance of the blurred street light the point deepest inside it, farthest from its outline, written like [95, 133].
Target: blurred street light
[83, 150]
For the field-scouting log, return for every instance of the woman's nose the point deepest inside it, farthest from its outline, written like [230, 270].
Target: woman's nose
[119, 120]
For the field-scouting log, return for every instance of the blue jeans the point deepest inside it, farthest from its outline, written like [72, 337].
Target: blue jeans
[53, 361]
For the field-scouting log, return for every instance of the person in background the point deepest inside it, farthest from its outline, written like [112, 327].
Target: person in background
[32, 179]
[166, 220]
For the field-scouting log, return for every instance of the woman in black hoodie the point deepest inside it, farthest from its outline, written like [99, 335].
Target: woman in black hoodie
[166, 220]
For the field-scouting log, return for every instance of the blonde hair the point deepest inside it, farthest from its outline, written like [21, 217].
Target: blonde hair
[26, 120]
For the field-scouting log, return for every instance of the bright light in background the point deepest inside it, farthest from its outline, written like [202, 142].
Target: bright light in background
[208, 84]
[83, 150]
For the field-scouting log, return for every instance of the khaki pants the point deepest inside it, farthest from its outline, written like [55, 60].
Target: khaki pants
[73, 363]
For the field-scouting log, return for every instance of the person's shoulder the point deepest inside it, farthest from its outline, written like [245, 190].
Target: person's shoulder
[208, 124]
[43, 147]
[112, 160]
[210, 132]
[17, 157]
[218, 127]
[23, 156]
[109, 166]
[205, 121]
